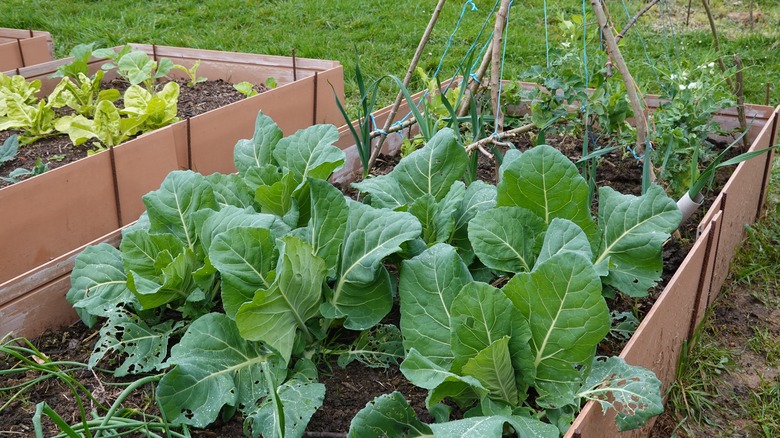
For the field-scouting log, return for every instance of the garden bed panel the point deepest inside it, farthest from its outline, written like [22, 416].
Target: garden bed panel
[35, 301]
[704, 298]
[51, 214]
[657, 342]
[140, 168]
[307, 101]
[742, 200]
[22, 48]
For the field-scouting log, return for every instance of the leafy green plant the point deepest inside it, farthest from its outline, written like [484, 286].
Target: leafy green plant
[15, 176]
[135, 66]
[283, 253]
[192, 73]
[286, 257]
[17, 86]
[365, 120]
[701, 179]
[84, 95]
[245, 88]
[114, 422]
[36, 121]
[81, 54]
[9, 148]
[683, 122]
[144, 112]
[699, 378]
[484, 347]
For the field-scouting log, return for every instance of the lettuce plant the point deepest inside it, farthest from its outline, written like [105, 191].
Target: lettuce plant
[19, 86]
[143, 111]
[135, 66]
[82, 96]
[35, 120]
[21, 109]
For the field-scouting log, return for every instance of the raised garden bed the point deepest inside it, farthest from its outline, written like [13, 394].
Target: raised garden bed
[23, 48]
[62, 210]
[656, 343]
[658, 340]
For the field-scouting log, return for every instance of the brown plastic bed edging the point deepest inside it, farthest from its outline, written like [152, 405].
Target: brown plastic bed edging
[55, 213]
[21, 48]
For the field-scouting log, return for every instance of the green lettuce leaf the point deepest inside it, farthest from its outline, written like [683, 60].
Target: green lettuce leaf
[310, 153]
[98, 283]
[388, 415]
[257, 151]
[506, 238]
[244, 257]
[328, 222]
[481, 314]
[432, 170]
[171, 208]
[544, 181]
[362, 292]
[493, 368]
[634, 392]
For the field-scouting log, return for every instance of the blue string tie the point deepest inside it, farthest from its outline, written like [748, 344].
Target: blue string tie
[474, 76]
[636, 157]
[400, 131]
[473, 6]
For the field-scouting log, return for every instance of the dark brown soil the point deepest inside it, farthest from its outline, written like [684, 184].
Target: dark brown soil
[58, 150]
[348, 390]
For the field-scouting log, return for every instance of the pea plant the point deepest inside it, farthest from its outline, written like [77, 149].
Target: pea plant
[683, 122]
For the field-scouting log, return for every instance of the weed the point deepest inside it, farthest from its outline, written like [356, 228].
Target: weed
[763, 408]
[696, 390]
[766, 344]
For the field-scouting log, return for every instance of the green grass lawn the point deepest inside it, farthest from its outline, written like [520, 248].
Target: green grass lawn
[385, 33]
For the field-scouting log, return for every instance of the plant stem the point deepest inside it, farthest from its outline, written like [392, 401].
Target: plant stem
[408, 78]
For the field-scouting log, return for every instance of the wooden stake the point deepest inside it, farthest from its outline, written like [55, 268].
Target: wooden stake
[631, 88]
[495, 69]
[408, 78]
[768, 87]
[716, 42]
[739, 91]
[633, 19]
[501, 136]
